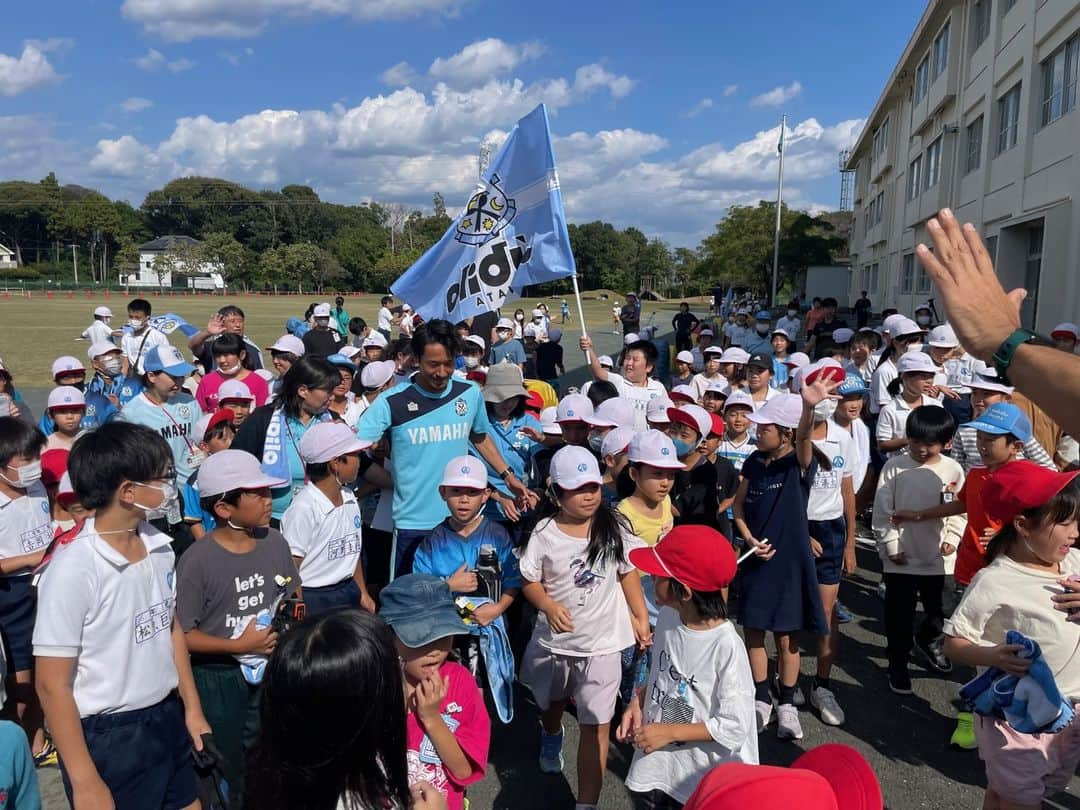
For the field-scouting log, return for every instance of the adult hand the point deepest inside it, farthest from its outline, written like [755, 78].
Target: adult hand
[463, 580]
[653, 737]
[425, 796]
[1005, 658]
[559, 618]
[851, 564]
[520, 491]
[216, 324]
[533, 433]
[585, 343]
[975, 302]
[485, 614]
[762, 548]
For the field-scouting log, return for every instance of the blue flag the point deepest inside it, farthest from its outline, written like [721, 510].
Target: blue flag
[170, 322]
[511, 233]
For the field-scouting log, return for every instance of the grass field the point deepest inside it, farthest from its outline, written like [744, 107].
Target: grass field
[35, 331]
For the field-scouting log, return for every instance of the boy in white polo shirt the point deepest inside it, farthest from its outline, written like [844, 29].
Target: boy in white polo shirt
[323, 523]
[112, 664]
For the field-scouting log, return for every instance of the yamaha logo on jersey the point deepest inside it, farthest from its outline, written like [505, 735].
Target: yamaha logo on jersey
[461, 407]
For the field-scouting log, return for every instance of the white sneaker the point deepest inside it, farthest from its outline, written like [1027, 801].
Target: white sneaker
[764, 714]
[788, 726]
[825, 702]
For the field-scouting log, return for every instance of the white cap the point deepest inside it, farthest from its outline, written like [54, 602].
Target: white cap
[826, 368]
[375, 339]
[924, 305]
[66, 396]
[529, 330]
[574, 408]
[288, 343]
[538, 313]
[656, 411]
[887, 324]
[606, 361]
[943, 337]
[655, 449]
[406, 308]
[616, 441]
[713, 350]
[101, 347]
[321, 311]
[1065, 330]
[476, 340]
[797, 360]
[786, 333]
[739, 397]
[102, 312]
[234, 389]
[683, 393]
[325, 441]
[630, 337]
[66, 365]
[573, 467]
[916, 362]
[904, 326]
[705, 331]
[989, 381]
[735, 355]
[65, 487]
[784, 410]
[548, 425]
[685, 357]
[465, 471]
[376, 375]
[842, 335]
[349, 351]
[232, 469]
[718, 387]
[693, 416]
[614, 412]
[505, 323]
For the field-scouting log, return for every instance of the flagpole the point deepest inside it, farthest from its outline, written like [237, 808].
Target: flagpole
[581, 312]
[779, 202]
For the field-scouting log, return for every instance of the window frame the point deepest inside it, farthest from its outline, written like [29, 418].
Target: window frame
[940, 51]
[971, 165]
[907, 274]
[933, 164]
[922, 79]
[981, 16]
[914, 179]
[1064, 58]
[1008, 129]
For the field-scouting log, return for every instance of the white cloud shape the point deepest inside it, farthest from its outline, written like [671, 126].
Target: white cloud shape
[703, 105]
[181, 64]
[151, 60]
[136, 104]
[481, 61]
[399, 75]
[730, 90]
[777, 96]
[185, 20]
[30, 70]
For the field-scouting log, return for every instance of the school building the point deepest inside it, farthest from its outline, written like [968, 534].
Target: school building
[979, 115]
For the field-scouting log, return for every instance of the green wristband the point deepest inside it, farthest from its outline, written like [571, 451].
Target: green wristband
[1003, 357]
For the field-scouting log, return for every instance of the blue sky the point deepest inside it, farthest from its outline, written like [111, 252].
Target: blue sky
[664, 114]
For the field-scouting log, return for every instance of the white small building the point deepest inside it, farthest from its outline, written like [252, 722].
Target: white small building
[7, 258]
[180, 248]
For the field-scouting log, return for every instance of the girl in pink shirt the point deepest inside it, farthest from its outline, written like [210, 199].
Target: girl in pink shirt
[229, 354]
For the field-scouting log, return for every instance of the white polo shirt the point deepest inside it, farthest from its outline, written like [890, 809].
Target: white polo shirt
[25, 524]
[114, 617]
[638, 396]
[826, 500]
[892, 419]
[770, 392]
[130, 344]
[884, 374]
[327, 537]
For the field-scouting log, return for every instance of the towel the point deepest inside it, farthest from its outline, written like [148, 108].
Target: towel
[1031, 704]
[498, 658]
[253, 665]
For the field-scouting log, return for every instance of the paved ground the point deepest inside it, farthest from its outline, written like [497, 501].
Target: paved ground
[905, 739]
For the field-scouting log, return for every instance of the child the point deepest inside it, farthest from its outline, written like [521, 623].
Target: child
[782, 344]
[105, 606]
[733, 367]
[913, 554]
[447, 727]
[758, 376]
[236, 397]
[862, 362]
[911, 390]
[229, 355]
[65, 409]
[109, 381]
[694, 496]
[716, 394]
[342, 400]
[684, 369]
[223, 582]
[25, 532]
[322, 524]
[697, 708]
[737, 444]
[986, 391]
[578, 577]
[848, 416]
[549, 358]
[779, 589]
[1028, 560]
[473, 352]
[613, 451]
[213, 433]
[710, 373]
[141, 339]
[97, 409]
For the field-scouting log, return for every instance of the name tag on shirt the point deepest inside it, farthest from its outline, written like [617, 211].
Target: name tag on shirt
[826, 479]
[153, 620]
[347, 546]
[36, 538]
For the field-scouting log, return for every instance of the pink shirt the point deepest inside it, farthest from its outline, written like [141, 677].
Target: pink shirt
[464, 713]
[207, 392]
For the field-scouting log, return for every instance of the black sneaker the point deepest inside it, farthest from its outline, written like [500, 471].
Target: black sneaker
[933, 656]
[900, 683]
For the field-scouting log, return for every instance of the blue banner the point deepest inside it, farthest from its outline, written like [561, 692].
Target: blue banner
[170, 322]
[511, 233]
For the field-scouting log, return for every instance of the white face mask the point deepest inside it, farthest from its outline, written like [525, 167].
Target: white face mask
[503, 334]
[136, 324]
[922, 320]
[229, 372]
[824, 410]
[791, 313]
[915, 347]
[762, 328]
[25, 475]
[112, 366]
[471, 361]
[169, 494]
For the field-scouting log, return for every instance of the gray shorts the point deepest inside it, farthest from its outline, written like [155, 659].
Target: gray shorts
[593, 682]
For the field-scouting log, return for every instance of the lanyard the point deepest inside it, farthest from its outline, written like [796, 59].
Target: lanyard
[296, 446]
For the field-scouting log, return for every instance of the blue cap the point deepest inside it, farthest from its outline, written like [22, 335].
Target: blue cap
[168, 359]
[1001, 418]
[852, 384]
[763, 315]
[420, 609]
[341, 360]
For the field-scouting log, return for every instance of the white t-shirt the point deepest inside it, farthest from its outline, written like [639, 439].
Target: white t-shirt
[960, 371]
[97, 332]
[1008, 596]
[892, 419]
[593, 594]
[697, 676]
[700, 383]
[130, 344]
[328, 537]
[789, 325]
[860, 437]
[25, 524]
[114, 617]
[826, 500]
[770, 392]
[884, 374]
[353, 411]
[386, 319]
[638, 395]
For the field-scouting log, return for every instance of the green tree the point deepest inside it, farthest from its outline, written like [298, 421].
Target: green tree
[236, 261]
[26, 210]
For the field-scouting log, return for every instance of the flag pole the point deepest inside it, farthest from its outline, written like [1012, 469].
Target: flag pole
[779, 201]
[581, 312]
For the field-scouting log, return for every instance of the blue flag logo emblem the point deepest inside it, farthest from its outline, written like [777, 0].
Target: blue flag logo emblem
[486, 214]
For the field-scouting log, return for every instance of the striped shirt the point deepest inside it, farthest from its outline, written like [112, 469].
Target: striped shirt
[965, 450]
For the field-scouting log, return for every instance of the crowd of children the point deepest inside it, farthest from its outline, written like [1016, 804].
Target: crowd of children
[193, 555]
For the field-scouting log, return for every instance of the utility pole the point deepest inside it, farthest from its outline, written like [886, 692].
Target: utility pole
[75, 261]
[779, 202]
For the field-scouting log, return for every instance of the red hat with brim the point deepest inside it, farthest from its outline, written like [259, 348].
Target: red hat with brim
[534, 402]
[717, 425]
[1019, 486]
[697, 556]
[53, 466]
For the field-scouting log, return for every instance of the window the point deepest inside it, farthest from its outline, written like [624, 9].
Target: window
[980, 22]
[879, 208]
[1008, 107]
[922, 79]
[1059, 81]
[991, 247]
[914, 178]
[973, 146]
[870, 278]
[881, 139]
[922, 280]
[933, 163]
[941, 50]
[907, 274]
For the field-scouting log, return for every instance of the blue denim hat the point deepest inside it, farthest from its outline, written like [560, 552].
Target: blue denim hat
[420, 609]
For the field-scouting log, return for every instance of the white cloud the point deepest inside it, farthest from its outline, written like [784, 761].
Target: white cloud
[730, 90]
[30, 70]
[184, 20]
[705, 104]
[151, 60]
[593, 77]
[181, 64]
[234, 58]
[136, 104]
[52, 44]
[399, 75]
[481, 61]
[777, 96]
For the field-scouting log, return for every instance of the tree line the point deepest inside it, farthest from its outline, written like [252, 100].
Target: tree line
[292, 239]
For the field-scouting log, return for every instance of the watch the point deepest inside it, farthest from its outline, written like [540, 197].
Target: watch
[1003, 357]
[506, 473]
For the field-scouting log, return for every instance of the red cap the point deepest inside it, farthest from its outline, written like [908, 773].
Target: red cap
[1019, 486]
[680, 396]
[829, 777]
[53, 466]
[534, 402]
[697, 556]
[827, 370]
[717, 424]
[478, 377]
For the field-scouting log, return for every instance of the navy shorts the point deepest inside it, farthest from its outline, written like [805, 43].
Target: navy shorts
[18, 606]
[832, 534]
[320, 600]
[143, 756]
